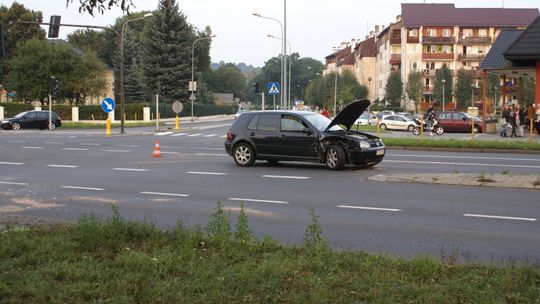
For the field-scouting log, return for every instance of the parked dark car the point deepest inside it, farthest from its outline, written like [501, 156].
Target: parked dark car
[458, 122]
[303, 136]
[32, 119]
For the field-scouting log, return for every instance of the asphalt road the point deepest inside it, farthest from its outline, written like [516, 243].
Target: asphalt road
[69, 173]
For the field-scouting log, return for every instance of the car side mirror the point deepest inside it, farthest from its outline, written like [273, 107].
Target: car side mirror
[307, 131]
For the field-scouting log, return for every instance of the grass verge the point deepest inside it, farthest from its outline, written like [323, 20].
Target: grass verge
[118, 261]
[461, 144]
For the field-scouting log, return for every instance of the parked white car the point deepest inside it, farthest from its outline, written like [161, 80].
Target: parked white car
[367, 119]
[396, 122]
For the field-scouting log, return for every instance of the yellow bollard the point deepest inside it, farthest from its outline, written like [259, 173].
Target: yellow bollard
[177, 126]
[108, 128]
[135, 116]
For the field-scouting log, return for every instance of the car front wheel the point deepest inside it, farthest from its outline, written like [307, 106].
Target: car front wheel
[439, 130]
[382, 126]
[410, 128]
[476, 129]
[244, 155]
[335, 157]
[16, 126]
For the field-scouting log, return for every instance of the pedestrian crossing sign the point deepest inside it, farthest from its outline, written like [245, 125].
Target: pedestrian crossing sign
[273, 88]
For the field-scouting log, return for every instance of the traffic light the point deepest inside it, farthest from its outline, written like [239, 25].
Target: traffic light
[54, 27]
[256, 87]
[54, 86]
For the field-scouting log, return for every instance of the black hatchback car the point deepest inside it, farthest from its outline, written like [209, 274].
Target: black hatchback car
[303, 136]
[31, 119]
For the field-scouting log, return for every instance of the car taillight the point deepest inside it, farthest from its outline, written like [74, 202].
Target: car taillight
[229, 135]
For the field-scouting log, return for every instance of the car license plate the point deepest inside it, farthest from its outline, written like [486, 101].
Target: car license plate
[380, 152]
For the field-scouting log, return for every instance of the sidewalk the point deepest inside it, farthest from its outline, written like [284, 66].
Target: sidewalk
[465, 179]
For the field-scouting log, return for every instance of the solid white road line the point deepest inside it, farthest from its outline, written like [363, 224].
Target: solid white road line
[54, 143]
[196, 134]
[128, 146]
[15, 141]
[29, 147]
[118, 151]
[164, 194]
[286, 176]
[83, 188]
[256, 200]
[179, 134]
[75, 149]
[170, 153]
[164, 133]
[460, 164]
[500, 217]
[464, 157]
[206, 173]
[130, 169]
[62, 166]
[14, 184]
[369, 208]
[211, 154]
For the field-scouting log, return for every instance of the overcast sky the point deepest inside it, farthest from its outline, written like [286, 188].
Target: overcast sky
[313, 26]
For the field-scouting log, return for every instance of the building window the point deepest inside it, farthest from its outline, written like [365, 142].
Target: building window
[414, 66]
[480, 50]
[467, 33]
[482, 33]
[446, 49]
[431, 32]
[446, 32]
[413, 33]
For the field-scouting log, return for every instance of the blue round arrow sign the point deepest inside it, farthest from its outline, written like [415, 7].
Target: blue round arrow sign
[107, 105]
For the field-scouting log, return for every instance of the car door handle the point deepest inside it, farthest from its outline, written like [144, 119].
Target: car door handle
[251, 133]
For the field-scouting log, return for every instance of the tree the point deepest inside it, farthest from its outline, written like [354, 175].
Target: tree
[16, 32]
[463, 88]
[92, 40]
[415, 87]
[166, 57]
[441, 74]
[101, 5]
[320, 92]
[37, 60]
[528, 90]
[227, 79]
[394, 89]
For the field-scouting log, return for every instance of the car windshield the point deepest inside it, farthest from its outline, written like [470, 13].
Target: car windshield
[320, 122]
[20, 114]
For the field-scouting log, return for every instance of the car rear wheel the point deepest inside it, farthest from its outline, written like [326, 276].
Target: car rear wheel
[410, 128]
[52, 126]
[16, 126]
[439, 130]
[335, 157]
[416, 131]
[476, 129]
[383, 127]
[244, 155]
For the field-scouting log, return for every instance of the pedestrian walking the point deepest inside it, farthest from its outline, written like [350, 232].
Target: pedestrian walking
[505, 114]
[513, 121]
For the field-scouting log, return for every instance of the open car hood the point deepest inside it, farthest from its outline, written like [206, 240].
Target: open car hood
[350, 114]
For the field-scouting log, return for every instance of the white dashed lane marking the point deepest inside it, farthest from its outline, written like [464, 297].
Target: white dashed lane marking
[179, 134]
[30, 147]
[62, 166]
[195, 135]
[500, 217]
[13, 184]
[286, 176]
[206, 173]
[83, 188]
[10, 163]
[369, 208]
[211, 135]
[257, 200]
[164, 194]
[164, 133]
[130, 169]
[75, 149]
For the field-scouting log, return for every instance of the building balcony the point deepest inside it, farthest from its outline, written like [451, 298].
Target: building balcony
[437, 40]
[472, 57]
[437, 56]
[413, 39]
[428, 90]
[395, 59]
[475, 40]
[429, 73]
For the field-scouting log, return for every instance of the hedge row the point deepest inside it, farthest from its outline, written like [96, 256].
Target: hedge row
[133, 111]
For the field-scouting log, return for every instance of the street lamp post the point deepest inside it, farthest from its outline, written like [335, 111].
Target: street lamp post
[192, 86]
[288, 96]
[283, 54]
[495, 88]
[122, 66]
[443, 85]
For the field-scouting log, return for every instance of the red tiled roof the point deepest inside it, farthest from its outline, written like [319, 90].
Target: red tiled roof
[420, 14]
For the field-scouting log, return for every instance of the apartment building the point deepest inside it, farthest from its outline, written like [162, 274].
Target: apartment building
[365, 64]
[427, 36]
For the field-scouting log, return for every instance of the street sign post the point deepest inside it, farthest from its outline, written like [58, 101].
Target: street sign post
[274, 88]
[177, 107]
[107, 105]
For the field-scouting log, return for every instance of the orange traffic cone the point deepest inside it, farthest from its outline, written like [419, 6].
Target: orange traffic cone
[157, 150]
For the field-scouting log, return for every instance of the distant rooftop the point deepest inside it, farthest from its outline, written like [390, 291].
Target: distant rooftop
[433, 14]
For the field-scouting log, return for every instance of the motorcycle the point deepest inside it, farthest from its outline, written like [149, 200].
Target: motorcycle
[435, 127]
